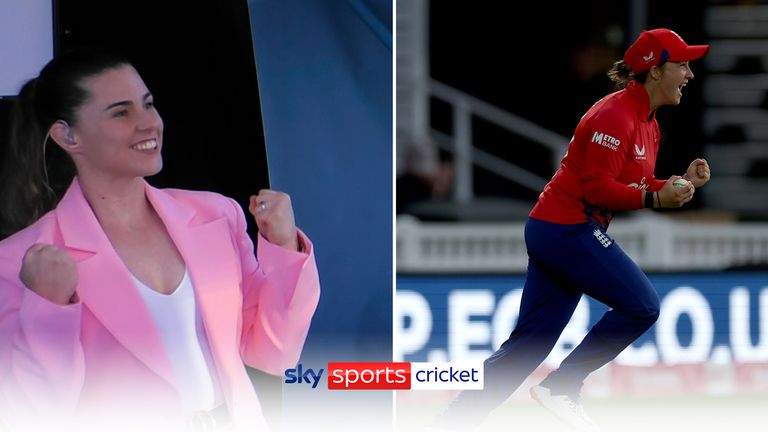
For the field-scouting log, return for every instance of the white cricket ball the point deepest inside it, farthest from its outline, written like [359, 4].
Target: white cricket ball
[681, 182]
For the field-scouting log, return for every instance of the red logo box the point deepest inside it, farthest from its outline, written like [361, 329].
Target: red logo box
[369, 376]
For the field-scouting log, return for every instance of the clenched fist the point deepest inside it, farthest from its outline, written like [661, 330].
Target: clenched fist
[50, 272]
[274, 217]
[698, 173]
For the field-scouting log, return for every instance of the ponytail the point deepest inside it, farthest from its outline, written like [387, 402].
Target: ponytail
[621, 75]
[25, 195]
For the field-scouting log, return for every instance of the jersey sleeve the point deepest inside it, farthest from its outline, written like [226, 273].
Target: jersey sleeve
[656, 184]
[607, 137]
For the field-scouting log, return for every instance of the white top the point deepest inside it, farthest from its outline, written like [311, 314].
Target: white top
[178, 321]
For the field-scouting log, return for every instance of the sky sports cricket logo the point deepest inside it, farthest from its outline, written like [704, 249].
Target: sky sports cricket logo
[391, 376]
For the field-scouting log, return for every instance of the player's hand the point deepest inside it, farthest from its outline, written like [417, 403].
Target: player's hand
[273, 213]
[698, 173]
[674, 197]
[50, 272]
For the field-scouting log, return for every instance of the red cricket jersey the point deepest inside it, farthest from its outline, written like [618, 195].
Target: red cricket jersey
[609, 164]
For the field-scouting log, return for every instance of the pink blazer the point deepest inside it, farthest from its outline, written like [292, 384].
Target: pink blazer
[101, 361]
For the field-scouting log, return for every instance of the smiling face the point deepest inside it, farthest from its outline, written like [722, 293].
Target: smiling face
[669, 83]
[118, 131]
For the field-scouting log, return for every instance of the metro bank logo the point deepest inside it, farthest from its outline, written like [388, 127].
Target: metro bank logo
[393, 376]
[606, 140]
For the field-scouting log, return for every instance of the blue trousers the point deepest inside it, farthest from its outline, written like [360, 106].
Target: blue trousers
[564, 262]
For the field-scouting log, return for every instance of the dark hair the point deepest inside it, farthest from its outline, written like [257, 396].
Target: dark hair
[56, 94]
[621, 74]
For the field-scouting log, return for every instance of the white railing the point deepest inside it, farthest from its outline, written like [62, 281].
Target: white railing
[414, 87]
[655, 242]
[466, 155]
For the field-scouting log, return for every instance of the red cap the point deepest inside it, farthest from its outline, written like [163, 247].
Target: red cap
[660, 45]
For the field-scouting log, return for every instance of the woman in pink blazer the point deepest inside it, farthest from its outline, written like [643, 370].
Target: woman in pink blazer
[125, 307]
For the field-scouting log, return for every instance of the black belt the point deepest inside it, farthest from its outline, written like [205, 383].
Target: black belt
[209, 421]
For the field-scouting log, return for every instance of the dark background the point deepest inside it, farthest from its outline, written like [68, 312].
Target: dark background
[547, 62]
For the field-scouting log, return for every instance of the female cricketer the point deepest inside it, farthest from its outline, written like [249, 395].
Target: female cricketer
[609, 166]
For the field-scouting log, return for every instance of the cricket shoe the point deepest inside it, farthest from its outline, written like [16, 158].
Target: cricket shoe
[565, 408]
